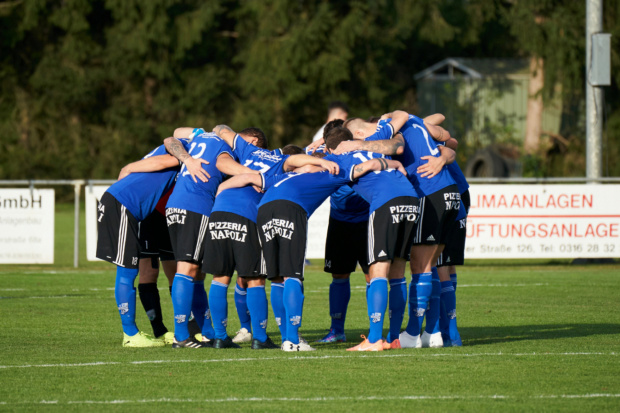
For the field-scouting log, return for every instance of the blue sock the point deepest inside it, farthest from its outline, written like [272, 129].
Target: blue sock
[367, 287]
[125, 294]
[453, 279]
[419, 294]
[432, 312]
[339, 296]
[182, 297]
[218, 302]
[200, 309]
[277, 305]
[377, 304]
[448, 299]
[293, 299]
[241, 304]
[257, 303]
[397, 305]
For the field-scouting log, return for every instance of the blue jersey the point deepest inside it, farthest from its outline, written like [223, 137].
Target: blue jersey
[419, 143]
[376, 187]
[139, 192]
[307, 190]
[320, 149]
[244, 201]
[347, 206]
[458, 176]
[199, 197]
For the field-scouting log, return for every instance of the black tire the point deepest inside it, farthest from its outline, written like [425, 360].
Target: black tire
[486, 164]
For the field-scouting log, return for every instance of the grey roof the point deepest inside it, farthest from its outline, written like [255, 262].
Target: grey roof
[473, 68]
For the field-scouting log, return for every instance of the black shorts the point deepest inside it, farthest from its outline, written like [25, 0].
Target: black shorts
[187, 232]
[283, 231]
[345, 246]
[117, 233]
[438, 211]
[231, 243]
[154, 238]
[454, 252]
[391, 228]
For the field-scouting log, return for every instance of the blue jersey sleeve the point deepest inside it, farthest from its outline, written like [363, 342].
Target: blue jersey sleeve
[385, 130]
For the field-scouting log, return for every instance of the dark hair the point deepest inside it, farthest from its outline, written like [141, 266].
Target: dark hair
[291, 149]
[331, 125]
[336, 104]
[317, 154]
[337, 135]
[256, 133]
[373, 119]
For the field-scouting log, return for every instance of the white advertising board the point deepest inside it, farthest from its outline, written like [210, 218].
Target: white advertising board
[543, 221]
[27, 226]
[317, 231]
[93, 195]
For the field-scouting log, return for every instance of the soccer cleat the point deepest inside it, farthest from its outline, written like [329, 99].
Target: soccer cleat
[367, 345]
[242, 336]
[289, 346]
[141, 340]
[189, 343]
[409, 341]
[333, 337]
[225, 343]
[394, 345]
[168, 337]
[262, 345]
[205, 341]
[431, 340]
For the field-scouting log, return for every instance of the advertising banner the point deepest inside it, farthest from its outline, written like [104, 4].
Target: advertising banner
[27, 226]
[544, 221]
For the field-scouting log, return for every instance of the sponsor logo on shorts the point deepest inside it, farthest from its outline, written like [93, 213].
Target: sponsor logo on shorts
[123, 308]
[452, 200]
[180, 319]
[295, 320]
[430, 238]
[175, 216]
[375, 317]
[228, 230]
[382, 254]
[402, 213]
[279, 227]
[463, 223]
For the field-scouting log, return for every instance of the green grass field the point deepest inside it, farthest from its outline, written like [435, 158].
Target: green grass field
[543, 337]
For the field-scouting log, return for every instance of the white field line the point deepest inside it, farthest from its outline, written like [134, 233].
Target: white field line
[321, 399]
[303, 358]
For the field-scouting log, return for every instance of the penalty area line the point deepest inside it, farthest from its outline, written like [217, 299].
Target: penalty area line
[302, 358]
[321, 399]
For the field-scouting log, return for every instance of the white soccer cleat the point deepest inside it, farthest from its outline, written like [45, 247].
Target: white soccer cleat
[409, 341]
[431, 340]
[289, 346]
[242, 336]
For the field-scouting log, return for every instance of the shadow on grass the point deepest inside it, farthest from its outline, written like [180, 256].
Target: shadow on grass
[480, 336]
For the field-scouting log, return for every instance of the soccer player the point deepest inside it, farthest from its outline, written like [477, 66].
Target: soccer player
[187, 213]
[122, 207]
[438, 208]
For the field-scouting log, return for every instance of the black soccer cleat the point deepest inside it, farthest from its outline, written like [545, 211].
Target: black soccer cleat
[261, 345]
[189, 343]
[226, 343]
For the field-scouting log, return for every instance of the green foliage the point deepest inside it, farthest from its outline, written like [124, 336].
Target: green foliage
[88, 86]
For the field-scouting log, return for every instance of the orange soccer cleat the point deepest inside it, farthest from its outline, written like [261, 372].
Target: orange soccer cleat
[391, 346]
[367, 346]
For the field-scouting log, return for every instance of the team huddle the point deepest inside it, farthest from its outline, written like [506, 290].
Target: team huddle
[219, 202]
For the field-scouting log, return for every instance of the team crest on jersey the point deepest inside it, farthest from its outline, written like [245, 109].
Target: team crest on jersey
[295, 320]
[180, 319]
[123, 308]
[375, 317]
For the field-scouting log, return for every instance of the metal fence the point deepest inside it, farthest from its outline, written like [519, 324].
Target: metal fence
[79, 183]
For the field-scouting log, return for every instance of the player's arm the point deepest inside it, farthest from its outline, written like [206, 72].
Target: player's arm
[435, 164]
[432, 123]
[193, 165]
[452, 144]
[239, 181]
[228, 166]
[308, 169]
[315, 144]
[434, 119]
[183, 133]
[399, 118]
[226, 133]
[394, 146]
[151, 164]
[297, 161]
[377, 164]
